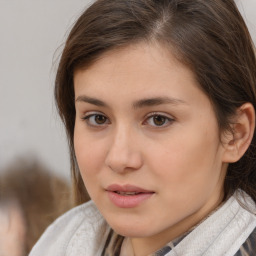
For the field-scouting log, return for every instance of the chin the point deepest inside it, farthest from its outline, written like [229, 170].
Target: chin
[131, 230]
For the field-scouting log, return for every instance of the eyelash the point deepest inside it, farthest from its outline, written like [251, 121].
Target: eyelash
[166, 120]
[87, 118]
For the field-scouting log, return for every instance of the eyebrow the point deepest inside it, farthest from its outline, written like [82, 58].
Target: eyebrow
[157, 101]
[148, 102]
[90, 100]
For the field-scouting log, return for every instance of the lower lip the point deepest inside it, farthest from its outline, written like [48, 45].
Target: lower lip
[129, 201]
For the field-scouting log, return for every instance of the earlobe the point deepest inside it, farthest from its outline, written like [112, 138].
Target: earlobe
[237, 142]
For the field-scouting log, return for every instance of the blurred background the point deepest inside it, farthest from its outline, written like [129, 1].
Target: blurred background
[34, 161]
[32, 34]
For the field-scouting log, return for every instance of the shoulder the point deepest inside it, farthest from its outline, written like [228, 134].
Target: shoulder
[77, 232]
[224, 231]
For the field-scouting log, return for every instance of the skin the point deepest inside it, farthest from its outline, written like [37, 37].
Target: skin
[12, 229]
[179, 156]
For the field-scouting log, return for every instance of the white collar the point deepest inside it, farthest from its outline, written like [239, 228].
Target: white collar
[223, 232]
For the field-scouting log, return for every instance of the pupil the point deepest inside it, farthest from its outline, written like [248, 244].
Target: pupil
[159, 120]
[100, 119]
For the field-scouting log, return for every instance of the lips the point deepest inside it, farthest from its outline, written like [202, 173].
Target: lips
[123, 193]
[127, 196]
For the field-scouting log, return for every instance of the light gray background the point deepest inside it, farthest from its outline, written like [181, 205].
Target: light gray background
[30, 33]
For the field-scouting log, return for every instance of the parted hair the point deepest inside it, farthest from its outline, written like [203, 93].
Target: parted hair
[208, 36]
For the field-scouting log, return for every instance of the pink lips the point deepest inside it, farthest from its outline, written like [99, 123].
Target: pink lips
[127, 196]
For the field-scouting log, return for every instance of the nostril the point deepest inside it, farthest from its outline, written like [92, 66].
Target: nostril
[123, 156]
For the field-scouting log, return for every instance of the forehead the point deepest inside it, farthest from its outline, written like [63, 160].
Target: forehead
[135, 67]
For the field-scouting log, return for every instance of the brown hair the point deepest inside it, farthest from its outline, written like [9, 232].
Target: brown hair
[210, 37]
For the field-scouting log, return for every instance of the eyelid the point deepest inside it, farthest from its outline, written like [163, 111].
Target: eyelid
[90, 113]
[159, 113]
[86, 116]
[169, 117]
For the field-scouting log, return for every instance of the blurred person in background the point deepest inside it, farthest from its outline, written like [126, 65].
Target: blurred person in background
[31, 197]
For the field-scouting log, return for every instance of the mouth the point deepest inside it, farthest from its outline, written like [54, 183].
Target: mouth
[123, 193]
[127, 190]
[128, 196]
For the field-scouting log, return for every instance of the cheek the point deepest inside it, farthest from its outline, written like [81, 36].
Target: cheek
[188, 173]
[188, 161]
[89, 158]
[89, 152]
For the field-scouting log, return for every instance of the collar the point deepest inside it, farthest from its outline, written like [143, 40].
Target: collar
[222, 233]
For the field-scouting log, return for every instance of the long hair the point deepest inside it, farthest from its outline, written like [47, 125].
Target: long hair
[210, 37]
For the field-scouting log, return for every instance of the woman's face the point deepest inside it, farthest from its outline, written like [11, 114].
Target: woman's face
[147, 143]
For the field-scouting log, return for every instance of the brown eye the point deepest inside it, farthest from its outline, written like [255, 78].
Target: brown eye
[100, 119]
[159, 120]
[96, 120]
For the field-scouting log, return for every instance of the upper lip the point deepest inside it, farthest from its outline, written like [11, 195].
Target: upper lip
[127, 188]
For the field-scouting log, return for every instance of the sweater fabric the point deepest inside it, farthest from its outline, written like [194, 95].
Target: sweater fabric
[229, 231]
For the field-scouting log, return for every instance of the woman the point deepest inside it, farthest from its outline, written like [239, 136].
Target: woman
[158, 99]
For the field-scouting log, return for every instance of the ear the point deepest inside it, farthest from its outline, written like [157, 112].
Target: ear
[237, 142]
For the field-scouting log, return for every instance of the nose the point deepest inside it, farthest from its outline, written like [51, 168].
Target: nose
[123, 154]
